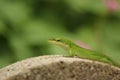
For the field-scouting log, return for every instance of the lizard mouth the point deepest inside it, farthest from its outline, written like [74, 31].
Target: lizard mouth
[53, 41]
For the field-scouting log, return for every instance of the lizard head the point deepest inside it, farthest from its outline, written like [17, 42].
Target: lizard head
[64, 43]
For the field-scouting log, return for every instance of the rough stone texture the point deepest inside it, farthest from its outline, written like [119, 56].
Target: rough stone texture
[59, 68]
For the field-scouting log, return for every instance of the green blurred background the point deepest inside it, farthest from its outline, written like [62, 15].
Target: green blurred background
[26, 25]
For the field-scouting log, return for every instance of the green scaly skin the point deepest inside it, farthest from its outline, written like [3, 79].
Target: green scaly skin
[75, 50]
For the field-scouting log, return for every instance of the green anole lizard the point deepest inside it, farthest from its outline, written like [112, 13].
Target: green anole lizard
[75, 50]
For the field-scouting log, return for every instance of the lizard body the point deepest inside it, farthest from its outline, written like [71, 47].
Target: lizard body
[75, 50]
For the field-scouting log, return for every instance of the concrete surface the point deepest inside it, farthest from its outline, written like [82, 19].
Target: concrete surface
[55, 67]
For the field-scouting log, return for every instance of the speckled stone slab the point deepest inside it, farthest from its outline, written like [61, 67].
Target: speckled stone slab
[59, 68]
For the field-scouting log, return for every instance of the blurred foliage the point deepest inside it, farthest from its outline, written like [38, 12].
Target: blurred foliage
[26, 25]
